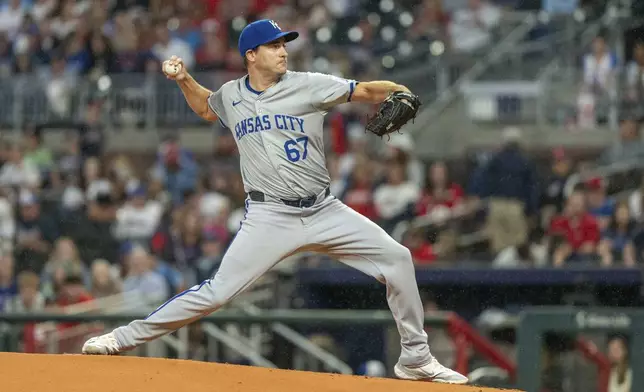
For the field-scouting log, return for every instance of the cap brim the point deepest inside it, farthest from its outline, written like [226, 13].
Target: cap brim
[287, 35]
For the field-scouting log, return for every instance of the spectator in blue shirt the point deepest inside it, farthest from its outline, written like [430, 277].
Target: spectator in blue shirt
[600, 205]
[617, 240]
[177, 170]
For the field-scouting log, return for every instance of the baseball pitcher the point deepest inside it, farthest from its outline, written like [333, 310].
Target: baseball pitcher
[276, 118]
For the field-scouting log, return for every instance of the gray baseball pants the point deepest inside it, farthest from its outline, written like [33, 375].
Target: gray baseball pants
[272, 231]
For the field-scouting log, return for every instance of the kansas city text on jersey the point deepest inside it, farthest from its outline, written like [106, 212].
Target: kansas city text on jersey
[267, 122]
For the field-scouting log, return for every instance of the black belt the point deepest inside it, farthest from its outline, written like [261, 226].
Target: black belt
[302, 203]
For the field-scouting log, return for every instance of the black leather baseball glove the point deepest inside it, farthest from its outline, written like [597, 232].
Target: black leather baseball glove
[393, 113]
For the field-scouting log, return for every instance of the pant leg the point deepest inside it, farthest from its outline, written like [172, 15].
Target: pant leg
[358, 242]
[268, 234]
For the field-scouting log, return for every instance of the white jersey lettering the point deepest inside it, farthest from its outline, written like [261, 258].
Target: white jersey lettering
[279, 131]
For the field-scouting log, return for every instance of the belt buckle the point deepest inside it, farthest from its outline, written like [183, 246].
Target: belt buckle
[307, 202]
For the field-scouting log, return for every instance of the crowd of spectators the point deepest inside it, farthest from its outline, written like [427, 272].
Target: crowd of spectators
[65, 39]
[610, 81]
[68, 46]
[81, 216]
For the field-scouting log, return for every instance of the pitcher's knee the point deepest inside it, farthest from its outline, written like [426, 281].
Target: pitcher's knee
[216, 297]
[398, 267]
[397, 254]
[218, 300]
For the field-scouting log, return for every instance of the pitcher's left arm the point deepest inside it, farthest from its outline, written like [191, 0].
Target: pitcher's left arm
[376, 91]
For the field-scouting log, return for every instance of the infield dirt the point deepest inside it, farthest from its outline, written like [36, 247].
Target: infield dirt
[76, 373]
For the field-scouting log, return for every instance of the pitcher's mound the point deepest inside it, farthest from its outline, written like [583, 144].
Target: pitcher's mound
[71, 373]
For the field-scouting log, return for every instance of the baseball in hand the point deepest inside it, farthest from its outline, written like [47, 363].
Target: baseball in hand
[171, 69]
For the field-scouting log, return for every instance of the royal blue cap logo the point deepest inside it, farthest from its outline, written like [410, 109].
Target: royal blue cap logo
[262, 32]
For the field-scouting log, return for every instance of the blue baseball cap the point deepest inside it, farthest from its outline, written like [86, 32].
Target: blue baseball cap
[262, 32]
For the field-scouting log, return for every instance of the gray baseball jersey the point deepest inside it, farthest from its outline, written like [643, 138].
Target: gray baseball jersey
[279, 134]
[279, 131]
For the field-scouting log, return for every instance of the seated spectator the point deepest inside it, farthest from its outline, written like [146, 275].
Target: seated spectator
[36, 153]
[60, 86]
[629, 148]
[11, 17]
[64, 256]
[29, 299]
[187, 240]
[214, 208]
[7, 220]
[621, 374]
[576, 231]
[337, 181]
[94, 179]
[617, 239]
[401, 150]
[350, 143]
[358, 194]
[422, 250]
[471, 27]
[8, 288]
[66, 21]
[121, 174]
[212, 54]
[157, 192]
[93, 229]
[552, 194]
[72, 201]
[17, 172]
[440, 192]
[635, 201]
[212, 252]
[599, 204]
[394, 200]
[91, 135]
[72, 291]
[600, 67]
[189, 31]
[142, 283]
[138, 219]
[168, 46]
[102, 55]
[177, 169]
[635, 78]
[431, 22]
[35, 233]
[104, 282]
[68, 167]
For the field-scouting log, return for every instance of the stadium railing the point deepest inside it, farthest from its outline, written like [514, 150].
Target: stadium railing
[499, 51]
[626, 168]
[459, 330]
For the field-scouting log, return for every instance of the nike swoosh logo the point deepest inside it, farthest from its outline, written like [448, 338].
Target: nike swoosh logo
[236, 103]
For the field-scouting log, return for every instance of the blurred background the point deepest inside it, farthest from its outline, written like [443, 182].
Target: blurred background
[518, 185]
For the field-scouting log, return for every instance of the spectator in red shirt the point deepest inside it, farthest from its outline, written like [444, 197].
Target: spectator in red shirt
[359, 191]
[422, 251]
[440, 190]
[72, 292]
[577, 230]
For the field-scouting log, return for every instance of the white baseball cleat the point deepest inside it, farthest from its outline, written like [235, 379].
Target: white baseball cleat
[102, 345]
[433, 371]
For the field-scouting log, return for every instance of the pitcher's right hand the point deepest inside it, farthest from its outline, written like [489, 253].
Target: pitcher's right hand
[176, 61]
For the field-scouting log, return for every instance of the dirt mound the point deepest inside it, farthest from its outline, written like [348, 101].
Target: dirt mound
[71, 373]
